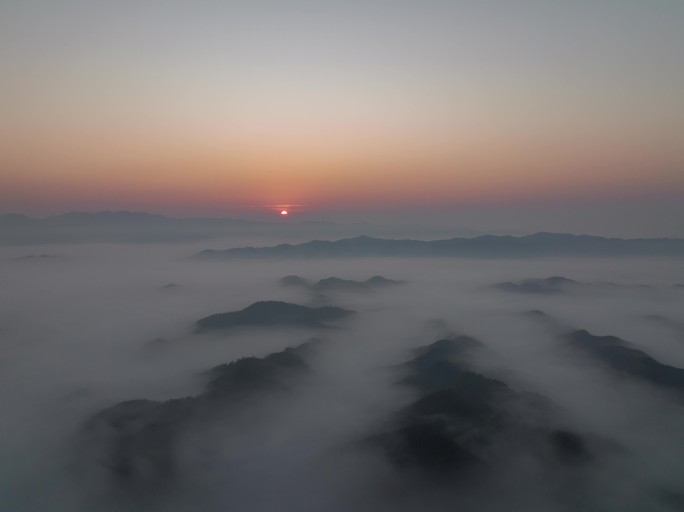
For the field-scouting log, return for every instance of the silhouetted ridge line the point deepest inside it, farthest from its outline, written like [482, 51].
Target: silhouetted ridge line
[619, 355]
[615, 353]
[491, 246]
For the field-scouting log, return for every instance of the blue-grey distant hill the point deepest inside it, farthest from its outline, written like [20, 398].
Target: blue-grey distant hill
[115, 227]
[559, 284]
[488, 246]
[142, 227]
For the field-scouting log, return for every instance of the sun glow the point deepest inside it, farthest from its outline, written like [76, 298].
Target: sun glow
[283, 213]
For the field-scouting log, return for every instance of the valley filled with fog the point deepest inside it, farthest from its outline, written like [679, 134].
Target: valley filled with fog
[480, 384]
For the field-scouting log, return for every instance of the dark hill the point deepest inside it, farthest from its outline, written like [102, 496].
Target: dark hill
[615, 353]
[136, 443]
[329, 284]
[272, 313]
[624, 359]
[464, 421]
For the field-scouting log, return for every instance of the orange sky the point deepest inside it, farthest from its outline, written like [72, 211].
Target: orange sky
[223, 107]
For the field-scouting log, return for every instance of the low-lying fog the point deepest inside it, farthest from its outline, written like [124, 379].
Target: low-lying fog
[88, 327]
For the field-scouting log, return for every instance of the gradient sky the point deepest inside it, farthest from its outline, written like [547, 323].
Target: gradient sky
[211, 107]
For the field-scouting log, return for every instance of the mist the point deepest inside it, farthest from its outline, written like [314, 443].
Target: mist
[91, 326]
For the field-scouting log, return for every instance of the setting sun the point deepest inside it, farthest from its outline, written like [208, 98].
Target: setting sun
[283, 212]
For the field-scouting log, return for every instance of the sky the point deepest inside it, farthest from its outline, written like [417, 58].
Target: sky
[405, 107]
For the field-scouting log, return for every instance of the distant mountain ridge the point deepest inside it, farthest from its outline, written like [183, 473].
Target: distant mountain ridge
[116, 227]
[109, 217]
[490, 246]
[143, 227]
